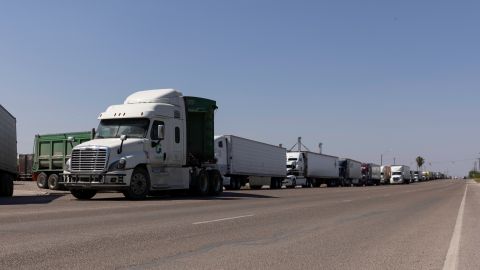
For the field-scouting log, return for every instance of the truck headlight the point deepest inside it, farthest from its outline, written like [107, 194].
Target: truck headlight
[68, 164]
[122, 163]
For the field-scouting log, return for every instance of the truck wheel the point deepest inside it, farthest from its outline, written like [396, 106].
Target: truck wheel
[216, 183]
[53, 182]
[308, 184]
[294, 184]
[42, 180]
[279, 183]
[83, 194]
[203, 185]
[235, 183]
[273, 183]
[6, 185]
[238, 184]
[139, 185]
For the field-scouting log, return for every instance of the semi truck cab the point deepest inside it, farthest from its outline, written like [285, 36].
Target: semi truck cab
[156, 140]
[295, 163]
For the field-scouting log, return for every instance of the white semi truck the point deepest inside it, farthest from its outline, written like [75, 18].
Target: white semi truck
[157, 140]
[243, 161]
[311, 169]
[400, 175]
[8, 152]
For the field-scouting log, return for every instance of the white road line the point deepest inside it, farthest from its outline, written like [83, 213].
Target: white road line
[451, 260]
[221, 219]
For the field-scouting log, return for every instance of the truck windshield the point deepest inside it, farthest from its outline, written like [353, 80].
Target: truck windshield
[397, 173]
[114, 128]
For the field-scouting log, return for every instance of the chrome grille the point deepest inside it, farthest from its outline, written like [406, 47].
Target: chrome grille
[89, 160]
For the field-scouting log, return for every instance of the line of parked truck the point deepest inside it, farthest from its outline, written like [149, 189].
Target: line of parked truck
[161, 140]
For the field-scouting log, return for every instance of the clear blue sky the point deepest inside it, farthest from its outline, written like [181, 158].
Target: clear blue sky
[363, 77]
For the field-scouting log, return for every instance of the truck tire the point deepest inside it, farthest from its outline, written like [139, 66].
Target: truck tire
[330, 183]
[238, 183]
[308, 184]
[139, 185]
[42, 180]
[6, 185]
[294, 184]
[235, 183]
[53, 182]
[83, 194]
[274, 183]
[216, 183]
[203, 183]
[316, 183]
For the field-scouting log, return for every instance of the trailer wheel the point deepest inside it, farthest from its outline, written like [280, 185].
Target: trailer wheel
[42, 180]
[238, 183]
[274, 183]
[216, 183]
[53, 182]
[235, 183]
[83, 194]
[6, 185]
[139, 185]
[203, 183]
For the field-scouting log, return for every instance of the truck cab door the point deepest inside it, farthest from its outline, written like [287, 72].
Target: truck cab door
[158, 151]
[177, 157]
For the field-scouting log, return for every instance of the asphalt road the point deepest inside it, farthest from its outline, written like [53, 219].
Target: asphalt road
[387, 227]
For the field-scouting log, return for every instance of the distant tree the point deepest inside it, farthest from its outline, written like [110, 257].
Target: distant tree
[420, 161]
[474, 175]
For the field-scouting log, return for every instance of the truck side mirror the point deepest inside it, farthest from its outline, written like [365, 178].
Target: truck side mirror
[161, 132]
[122, 139]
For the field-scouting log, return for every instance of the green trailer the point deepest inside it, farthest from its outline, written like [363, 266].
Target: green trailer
[51, 152]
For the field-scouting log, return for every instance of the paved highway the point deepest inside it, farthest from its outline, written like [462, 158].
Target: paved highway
[430, 225]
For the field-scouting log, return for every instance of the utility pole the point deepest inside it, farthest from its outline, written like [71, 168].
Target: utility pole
[479, 162]
[381, 156]
[394, 161]
[320, 147]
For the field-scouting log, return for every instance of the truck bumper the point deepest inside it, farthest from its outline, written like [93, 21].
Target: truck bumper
[288, 181]
[118, 180]
[396, 181]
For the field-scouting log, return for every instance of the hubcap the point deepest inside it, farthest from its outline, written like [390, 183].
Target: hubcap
[139, 183]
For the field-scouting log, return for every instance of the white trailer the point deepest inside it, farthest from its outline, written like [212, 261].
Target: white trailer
[400, 175]
[8, 152]
[243, 161]
[311, 169]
